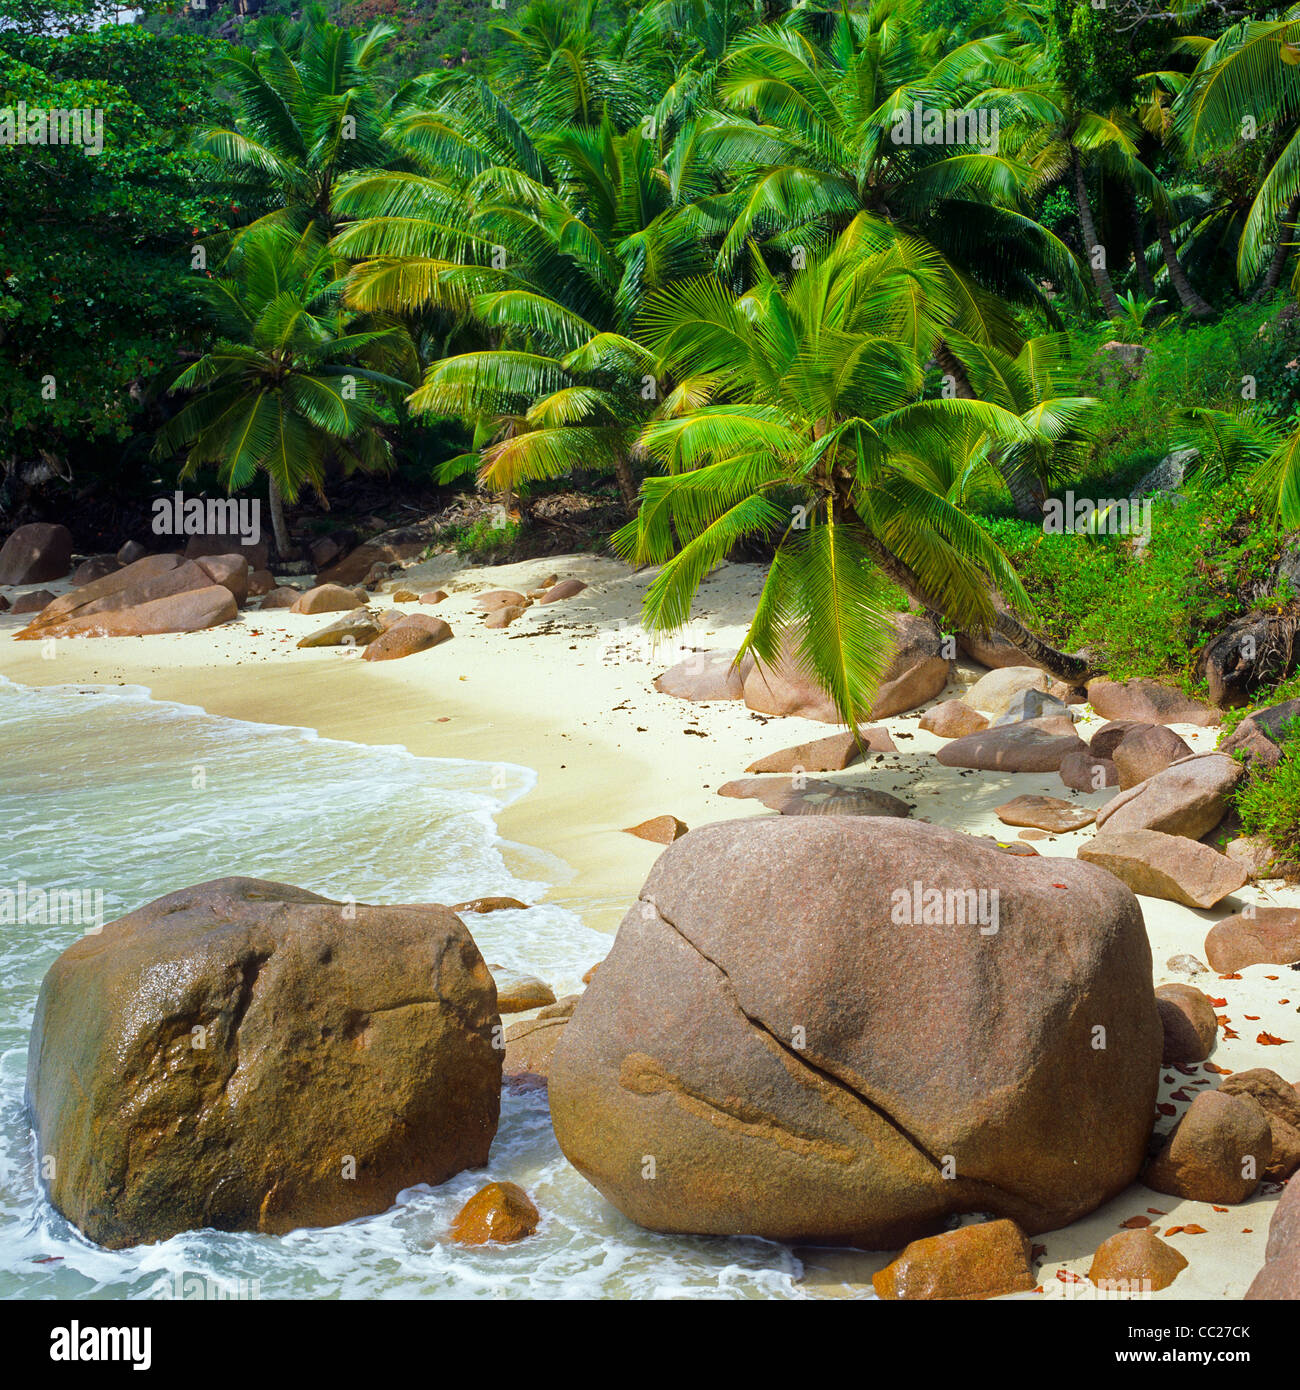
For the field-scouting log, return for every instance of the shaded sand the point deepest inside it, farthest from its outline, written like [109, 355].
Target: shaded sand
[567, 691]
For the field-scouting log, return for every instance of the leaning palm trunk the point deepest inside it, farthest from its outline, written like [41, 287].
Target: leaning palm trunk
[1187, 296]
[278, 528]
[1100, 275]
[1063, 665]
[1273, 275]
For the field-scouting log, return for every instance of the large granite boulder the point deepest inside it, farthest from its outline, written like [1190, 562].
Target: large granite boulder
[191, 610]
[993, 694]
[1165, 866]
[1143, 751]
[917, 672]
[1256, 936]
[774, 1049]
[1034, 745]
[147, 579]
[1280, 1276]
[1189, 798]
[35, 553]
[706, 676]
[1149, 702]
[246, 1055]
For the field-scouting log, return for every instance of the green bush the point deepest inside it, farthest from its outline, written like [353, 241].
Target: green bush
[1148, 615]
[1268, 802]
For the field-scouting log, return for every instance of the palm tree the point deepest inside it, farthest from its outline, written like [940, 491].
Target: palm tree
[549, 253]
[815, 133]
[1245, 91]
[307, 111]
[813, 430]
[294, 382]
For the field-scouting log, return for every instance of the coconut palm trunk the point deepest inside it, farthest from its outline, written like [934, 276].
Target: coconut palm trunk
[1146, 281]
[1187, 296]
[278, 528]
[1074, 669]
[1273, 275]
[1091, 243]
[626, 482]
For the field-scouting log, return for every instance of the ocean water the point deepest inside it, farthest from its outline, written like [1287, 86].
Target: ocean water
[104, 791]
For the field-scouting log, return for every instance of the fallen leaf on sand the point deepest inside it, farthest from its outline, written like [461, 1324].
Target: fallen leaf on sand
[1218, 1071]
[1173, 1230]
[1136, 1223]
[1155, 1211]
[1269, 1040]
[1066, 1277]
[1219, 1208]
[1218, 1003]
[1194, 1230]
[1165, 1109]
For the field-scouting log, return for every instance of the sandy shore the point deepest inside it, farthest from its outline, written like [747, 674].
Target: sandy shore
[566, 690]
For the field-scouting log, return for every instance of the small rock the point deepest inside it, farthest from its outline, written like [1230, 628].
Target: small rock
[522, 994]
[1045, 813]
[405, 596]
[1083, 771]
[1191, 1028]
[284, 596]
[529, 1045]
[33, 602]
[1253, 853]
[660, 830]
[1165, 866]
[36, 553]
[1216, 1153]
[499, 598]
[831, 754]
[130, 552]
[325, 598]
[1135, 1262]
[503, 617]
[566, 588]
[1186, 964]
[1258, 936]
[355, 629]
[1032, 704]
[260, 582]
[1145, 750]
[435, 596]
[1280, 1103]
[562, 1008]
[500, 1213]
[416, 632]
[95, 568]
[995, 693]
[953, 719]
[981, 1261]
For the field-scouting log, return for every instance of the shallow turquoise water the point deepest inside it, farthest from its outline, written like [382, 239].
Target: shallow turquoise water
[108, 792]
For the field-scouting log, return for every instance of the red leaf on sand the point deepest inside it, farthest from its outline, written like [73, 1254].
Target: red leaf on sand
[1283, 1001]
[1251, 1018]
[1219, 1208]
[1230, 1033]
[1269, 1040]
[1136, 1223]
[1066, 1277]
[1233, 976]
[1270, 977]
[1165, 1109]
[1218, 1003]
[1194, 1230]
[1248, 1230]
[1222, 1020]
[1155, 1211]
[1179, 1094]
[1173, 1230]
[1218, 1071]
[1058, 885]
